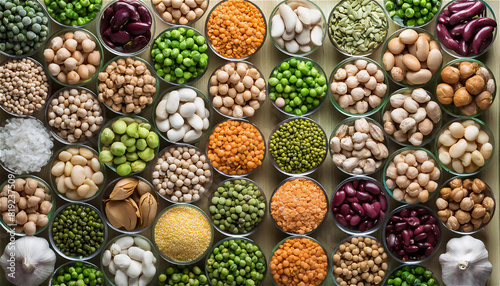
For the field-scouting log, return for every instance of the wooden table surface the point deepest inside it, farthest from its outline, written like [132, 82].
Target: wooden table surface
[267, 117]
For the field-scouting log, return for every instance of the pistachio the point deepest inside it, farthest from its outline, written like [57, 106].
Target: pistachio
[123, 189]
[143, 188]
[148, 207]
[121, 214]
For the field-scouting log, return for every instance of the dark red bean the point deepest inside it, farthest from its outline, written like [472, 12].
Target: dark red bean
[443, 19]
[137, 28]
[120, 37]
[391, 241]
[413, 221]
[123, 5]
[144, 14]
[429, 251]
[431, 238]
[400, 226]
[401, 252]
[446, 13]
[351, 212]
[465, 14]
[119, 19]
[358, 209]
[389, 228]
[106, 18]
[361, 186]
[376, 207]
[411, 248]
[355, 220]
[348, 217]
[344, 209]
[423, 245]
[420, 237]
[427, 227]
[136, 44]
[419, 230]
[108, 42]
[417, 212]
[431, 220]
[352, 199]
[349, 189]
[458, 29]
[435, 231]
[370, 224]
[339, 198]
[383, 201]
[404, 213]
[362, 196]
[480, 37]
[340, 218]
[381, 215]
[459, 6]
[355, 183]
[406, 237]
[335, 209]
[363, 226]
[369, 211]
[372, 188]
[396, 218]
[405, 257]
[486, 43]
[445, 38]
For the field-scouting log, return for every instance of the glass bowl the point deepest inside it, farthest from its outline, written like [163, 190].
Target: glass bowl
[168, 18]
[55, 185]
[448, 167]
[354, 230]
[334, 98]
[237, 175]
[51, 232]
[411, 268]
[400, 22]
[97, 48]
[406, 151]
[200, 94]
[105, 269]
[54, 131]
[53, 278]
[298, 3]
[273, 89]
[368, 51]
[451, 109]
[271, 144]
[299, 209]
[100, 30]
[113, 60]
[8, 185]
[487, 192]
[216, 93]
[135, 197]
[401, 215]
[350, 122]
[176, 242]
[158, 63]
[43, 100]
[404, 82]
[209, 42]
[490, 13]
[172, 148]
[60, 11]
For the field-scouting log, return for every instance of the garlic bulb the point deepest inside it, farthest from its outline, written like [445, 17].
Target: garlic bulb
[465, 262]
[28, 261]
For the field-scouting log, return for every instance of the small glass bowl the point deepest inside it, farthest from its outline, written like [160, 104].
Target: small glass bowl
[342, 64]
[105, 196]
[398, 21]
[451, 109]
[279, 187]
[405, 151]
[482, 127]
[98, 48]
[53, 130]
[412, 266]
[488, 192]
[298, 3]
[53, 278]
[369, 52]
[254, 17]
[329, 267]
[55, 160]
[404, 82]
[321, 72]
[177, 262]
[490, 13]
[226, 241]
[252, 171]
[203, 7]
[48, 88]
[350, 122]
[154, 63]
[151, 70]
[62, 10]
[352, 230]
[100, 29]
[105, 270]
[198, 94]
[211, 96]
[9, 184]
[393, 216]
[207, 184]
[77, 258]
[128, 118]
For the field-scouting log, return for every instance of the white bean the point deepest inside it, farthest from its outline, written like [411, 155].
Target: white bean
[125, 242]
[192, 135]
[142, 243]
[163, 125]
[289, 17]
[277, 26]
[188, 109]
[175, 135]
[173, 102]
[121, 278]
[471, 133]
[176, 120]
[134, 269]
[122, 261]
[196, 122]
[458, 149]
[486, 150]
[106, 258]
[187, 94]
[136, 253]
[292, 46]
[148, 268]
[304, 37]
[201, 111]
[317, 35]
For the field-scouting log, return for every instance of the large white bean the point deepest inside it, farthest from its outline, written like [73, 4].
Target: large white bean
[144, 280]
[142, 243]
[206, 123]
[486, 150]
[186, 94]
[305, 15]
[176, 120]
[112, 267]
[148, 268]
[125, 242]
[289, 17]
[188, 109]
[477, 158]
[458, 149]
[277, 26]
[457, 166]
[121, 278]
[317, 35]
[173, 102]
[77, 175]
[134, 269]
[445, 158]
[292, 46]
[192, 135]
[106, 258]
[133, 281]
[161, 110]
[58, 169]
[482, 137]
[163, 125]
[122, 261]
[446, 139]
[280, 42]
[196, 122]
[471, 133]
[457, 130]
[201, 111]
[304, 37]
[136, 253]
[175, 135]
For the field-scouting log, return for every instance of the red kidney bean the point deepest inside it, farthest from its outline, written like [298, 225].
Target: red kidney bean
[352, 199]
[106, 18]
[459, 5]
[144, 14]
[396, 218]
[413, 221]
[417, 212]
[391, 239]
[355, 183]
[475, 25]
[376, 207]
[445, 38]
[458, 29]
[400, 226]
[120, 37]
[423, 245]
[420, 237]
[404, 213]
[480, 37]
[443, 19]
[119, 19]
[349, 189]
[383, 201]
[340, 218]
[123, 5]
[369, 211]
[372, 188]
[363, 226]
[429, 251]
[463, 47]
[362, 196]
[358, 209]
[406, 237]
[344, 209]
[465, 14]
[348, 217]
[355, 220]
[137, 28]
[411, 248]
[418, 230]
[339, 198]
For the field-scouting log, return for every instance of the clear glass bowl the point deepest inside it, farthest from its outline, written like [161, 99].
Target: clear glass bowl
[10, 182]
[451, 109]
[398, 21]
[198, 94]
[299, 3]
[279, 187]
[171, 23]
[49, 89]
[150, 68]
[321, 72]
[250, 65]
[483, 127]
[352, 230]
[338, 5]
[207, 184]
[400, 267]
[488, 192]
[98, 48]
[352, 60]
[177, 262]
[490, 13]
[404, 82]
[53, 130]
[71, 26]
[77, 258]
[53, 278]
[104, 195]
[113, 50]
[427, 211]
[308, 171]
[209, 43]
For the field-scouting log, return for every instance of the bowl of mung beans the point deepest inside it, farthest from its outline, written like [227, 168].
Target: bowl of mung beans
[410, 274]
[71, 272]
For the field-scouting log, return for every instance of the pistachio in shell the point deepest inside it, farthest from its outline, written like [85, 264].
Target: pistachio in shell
[123, 189]
[148, 207]
[143, 187]
[121, 214]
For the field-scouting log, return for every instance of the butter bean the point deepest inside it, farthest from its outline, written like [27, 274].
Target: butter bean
[486, 150]
[58, 169]
[78, 160]
[172, 102]
[471, 133]
[458, 149]
[65, 156]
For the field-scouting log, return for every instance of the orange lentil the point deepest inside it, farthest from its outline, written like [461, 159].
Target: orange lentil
[299, 261]
[299, 206]
[236, 29]
[236, 147]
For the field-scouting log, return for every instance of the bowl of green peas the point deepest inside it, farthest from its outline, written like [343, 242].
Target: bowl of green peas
[297, 86]
[77, 273]
[73, 13]
[176, 274]
[411, 275]
[412, 13]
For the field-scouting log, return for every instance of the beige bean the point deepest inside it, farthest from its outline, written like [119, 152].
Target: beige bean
[458, 149]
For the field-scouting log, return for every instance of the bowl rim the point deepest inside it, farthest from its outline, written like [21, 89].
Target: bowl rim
[70, 262]
[157, 13]
[416, 26]
[399, 267]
